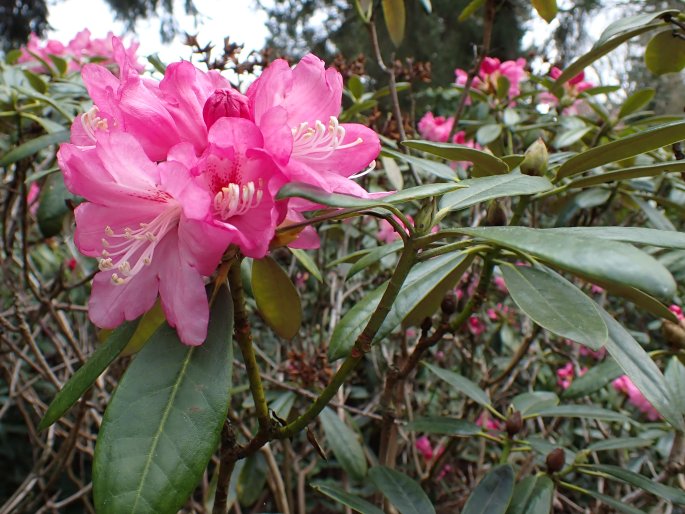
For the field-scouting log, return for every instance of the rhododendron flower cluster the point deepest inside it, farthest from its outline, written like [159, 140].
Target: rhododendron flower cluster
[626, 386]
[491, 69]
[78, 52]
[176, 171]
[572, 89]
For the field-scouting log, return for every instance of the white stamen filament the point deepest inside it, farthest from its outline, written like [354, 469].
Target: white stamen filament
[91, 122]
[368, 170]
[235, 200]
[139, 244]
[320, 142]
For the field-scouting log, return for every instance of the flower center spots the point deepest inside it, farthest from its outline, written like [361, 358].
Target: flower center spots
[90, 121]
[130, 251]
[236, 199]
[320, 141]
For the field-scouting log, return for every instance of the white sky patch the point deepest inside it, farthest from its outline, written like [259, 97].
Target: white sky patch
[242, 20]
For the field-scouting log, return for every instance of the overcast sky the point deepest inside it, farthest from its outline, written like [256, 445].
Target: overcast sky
[239, 19]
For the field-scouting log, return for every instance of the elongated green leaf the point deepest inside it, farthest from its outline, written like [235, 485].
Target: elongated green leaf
[461, 384]
[88, 373]
[148, 325]
[345, 444]
[675, 378]
[373, 257]
[609, 261]
[651, 170]
[620, 506]
[455, 152]
[529, 402]
[547, 9]
[579, 411]
[341, 496]
[492, 494]
[642, 370]
[488, 133]
[352, 324]
[395, 19]
[34, 145]
[665, 53]
[308, 263]
[433, 167]
[630, 146]
[619, 443]
[164, 420]
[556, 304]
[486, 188]
[276, 297]
[403, 492]
[533, 495]
[660, 490]
[470, 9]
[444, 426]
[636, 101]
[421, 192]
[594, 379]
[599, 51]
[628, 23]
[252, 479]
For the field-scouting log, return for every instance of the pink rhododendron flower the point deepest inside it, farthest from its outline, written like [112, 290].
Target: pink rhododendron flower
[675, 309]
[487, 422]
[500, 284]
[435, 128]
[476, 325]
[491, 70]
[566, 374]
[626, 386]
[78, 52]
[572, 88]
[425, 448]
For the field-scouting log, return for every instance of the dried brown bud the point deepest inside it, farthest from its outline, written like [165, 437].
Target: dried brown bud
[496, 216]
[514, 423]
[449, 303]
[674, 333]
[555, 460]
[426, 324]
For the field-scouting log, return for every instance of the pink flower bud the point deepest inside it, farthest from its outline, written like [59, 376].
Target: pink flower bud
[225, 103]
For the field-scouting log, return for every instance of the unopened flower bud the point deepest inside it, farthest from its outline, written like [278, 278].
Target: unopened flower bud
[423, 221]
[496, 216]
[225, 103]
[449, 303]
[555, 460]
[514, 423]
[426, 324]
[535, 160]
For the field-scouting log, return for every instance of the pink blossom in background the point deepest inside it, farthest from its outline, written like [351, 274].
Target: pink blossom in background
[572, 89]
[475, 325]
[675, 309]
[626, 386]
[566, 374]
[175, 171]
[487, 422]
[435, 128]
[500, 284]
[598, 355]
[424, 447]
[491, 70]
[81, 50]
[594, 289]
[386, 232]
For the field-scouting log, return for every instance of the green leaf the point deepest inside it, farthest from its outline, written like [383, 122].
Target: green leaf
[455, 152]
[628, 23]
[470, 9]
[394, 14]
[461, 384]
[33, 146]
[619, 443]
[556, 304]
[86, 375]
[355, 86]
[341, 496]
[283, 404]
[623, 148]
[148, 325]
[444, 426]
[433, 167]
[609, 261]
[547, 9]
[488, 133]
[579, 411]
[36, 81]
[352, 324]
[157, 63]
[529, 402]
[665, 53]
[634, 235]
[251, 480]
[642, 370]
[163, 422]
[373, 257]
[478, 190]
[52, 207]
[675, 378]
[404, 493]
[593, 380]
[668, 493]
[345, 444]
[308, 263]
[611, 502]
[492, 494]
[636, 101]
[599, 51]
[650, 170]
[570, 137]
[276, 297]
[533, 495]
